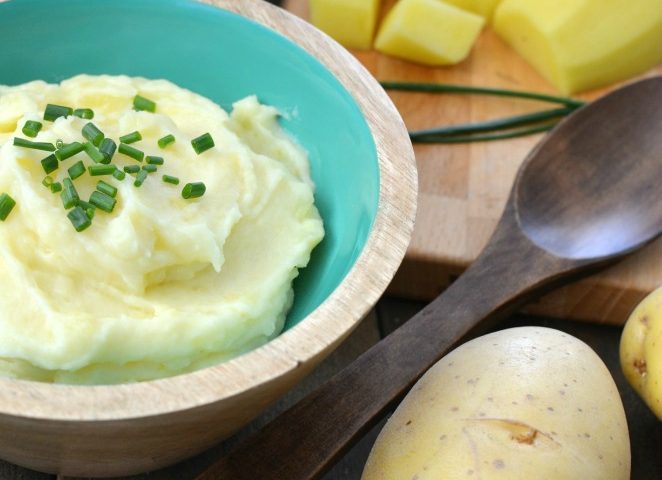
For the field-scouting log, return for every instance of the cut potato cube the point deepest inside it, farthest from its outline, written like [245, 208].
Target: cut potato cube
[428, 31]
[484, 8]
[350, 22]
[582, 44]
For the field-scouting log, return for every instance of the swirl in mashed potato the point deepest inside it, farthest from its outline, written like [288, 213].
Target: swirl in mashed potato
[162, 285]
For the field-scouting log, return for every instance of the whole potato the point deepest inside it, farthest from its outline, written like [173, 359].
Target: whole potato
[524, 403]
[641, 350]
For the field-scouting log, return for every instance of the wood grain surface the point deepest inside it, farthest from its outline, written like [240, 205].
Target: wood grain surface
[463, 188]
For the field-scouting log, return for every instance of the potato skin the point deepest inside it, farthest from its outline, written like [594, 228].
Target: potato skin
[641, 350]
[523, 403]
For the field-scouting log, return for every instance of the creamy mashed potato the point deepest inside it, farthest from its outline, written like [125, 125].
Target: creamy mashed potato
[162, 285]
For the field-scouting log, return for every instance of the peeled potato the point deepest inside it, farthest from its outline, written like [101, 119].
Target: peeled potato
[523, 403]
[641, 350]
[583, 44]
[350, 22]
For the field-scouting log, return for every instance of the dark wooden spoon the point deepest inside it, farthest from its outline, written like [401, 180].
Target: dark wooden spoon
[587, 195]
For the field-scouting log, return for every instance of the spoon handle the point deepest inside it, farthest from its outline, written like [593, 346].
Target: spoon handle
[306, 440]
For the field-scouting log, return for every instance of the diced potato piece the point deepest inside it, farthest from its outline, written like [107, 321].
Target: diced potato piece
[641, 350]
[428, 31]
[582, 44]
[350, 22]
[484, 8]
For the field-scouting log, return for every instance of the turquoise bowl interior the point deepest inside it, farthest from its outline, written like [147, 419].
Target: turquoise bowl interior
[224, 57]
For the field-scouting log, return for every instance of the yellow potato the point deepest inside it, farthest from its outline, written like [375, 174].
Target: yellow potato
[350, 22]
[484, 8]
[523, 403]
[431, 32]
[641, 350]
[583, 44]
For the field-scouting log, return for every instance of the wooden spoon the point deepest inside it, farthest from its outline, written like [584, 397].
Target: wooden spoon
[588, 194]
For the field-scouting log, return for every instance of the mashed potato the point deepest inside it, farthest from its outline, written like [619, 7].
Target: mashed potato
[162, 285]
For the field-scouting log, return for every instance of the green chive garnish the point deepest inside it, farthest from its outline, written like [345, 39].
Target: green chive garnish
[76, 170]
[100, 169]
[55, 111]
[49, 164]
[102, 201]
[193, 190]
[140, 178]
[119, 174]
[90, 212]
[165, 141]
[6, 205]
[94, 153]
[85, 113]
[170, 179]
[59, 143]
[79, 219]
[132, 168]
[106, 188]
[31, 128]
[69, 194]
[56, 187]
[151, 160]
[149, 168]
[68, 151]
[129, 151]
[47, 181]
[202, 143]
[131, 137]
[142, 103]
[108, 147]
[93, 134]
[45, 146]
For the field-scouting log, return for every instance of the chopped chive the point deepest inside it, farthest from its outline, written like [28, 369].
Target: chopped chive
[94, 153]
[69, 194]
[202, 143]
[170, 179]
[90, 212]
[142, 103]
[56, 187]
[100, 169]
[85, 113]
[119, 174]
[106, 188]
[55, 111]
[6, 205]
[49, 164]
[194, 190]
[131, 152]
[79, 219]
[149, 168]
[132, 168]
[68, 151]
[140, 178]
[47, 181]
[93, 134]
[102, 201]
[45, 146]
[108, 147]
[59, 143]
[31, 128]
[85, 205]
[165, 141]
[152, 160]
[76, 170]
[131, 137]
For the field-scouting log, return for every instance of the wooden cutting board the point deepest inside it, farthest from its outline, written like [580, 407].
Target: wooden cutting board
[463, 188]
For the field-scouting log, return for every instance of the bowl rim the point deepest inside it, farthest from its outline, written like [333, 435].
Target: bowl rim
[304, 343]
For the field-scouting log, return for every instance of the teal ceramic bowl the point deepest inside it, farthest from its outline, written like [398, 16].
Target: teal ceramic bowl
[362, 165]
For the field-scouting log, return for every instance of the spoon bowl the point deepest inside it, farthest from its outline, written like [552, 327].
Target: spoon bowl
[585, 197]
[578, 204]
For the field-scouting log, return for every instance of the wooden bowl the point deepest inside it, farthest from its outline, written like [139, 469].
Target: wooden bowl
[130, 428]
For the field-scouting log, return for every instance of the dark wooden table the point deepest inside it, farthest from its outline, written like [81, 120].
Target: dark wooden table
[645, 429]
